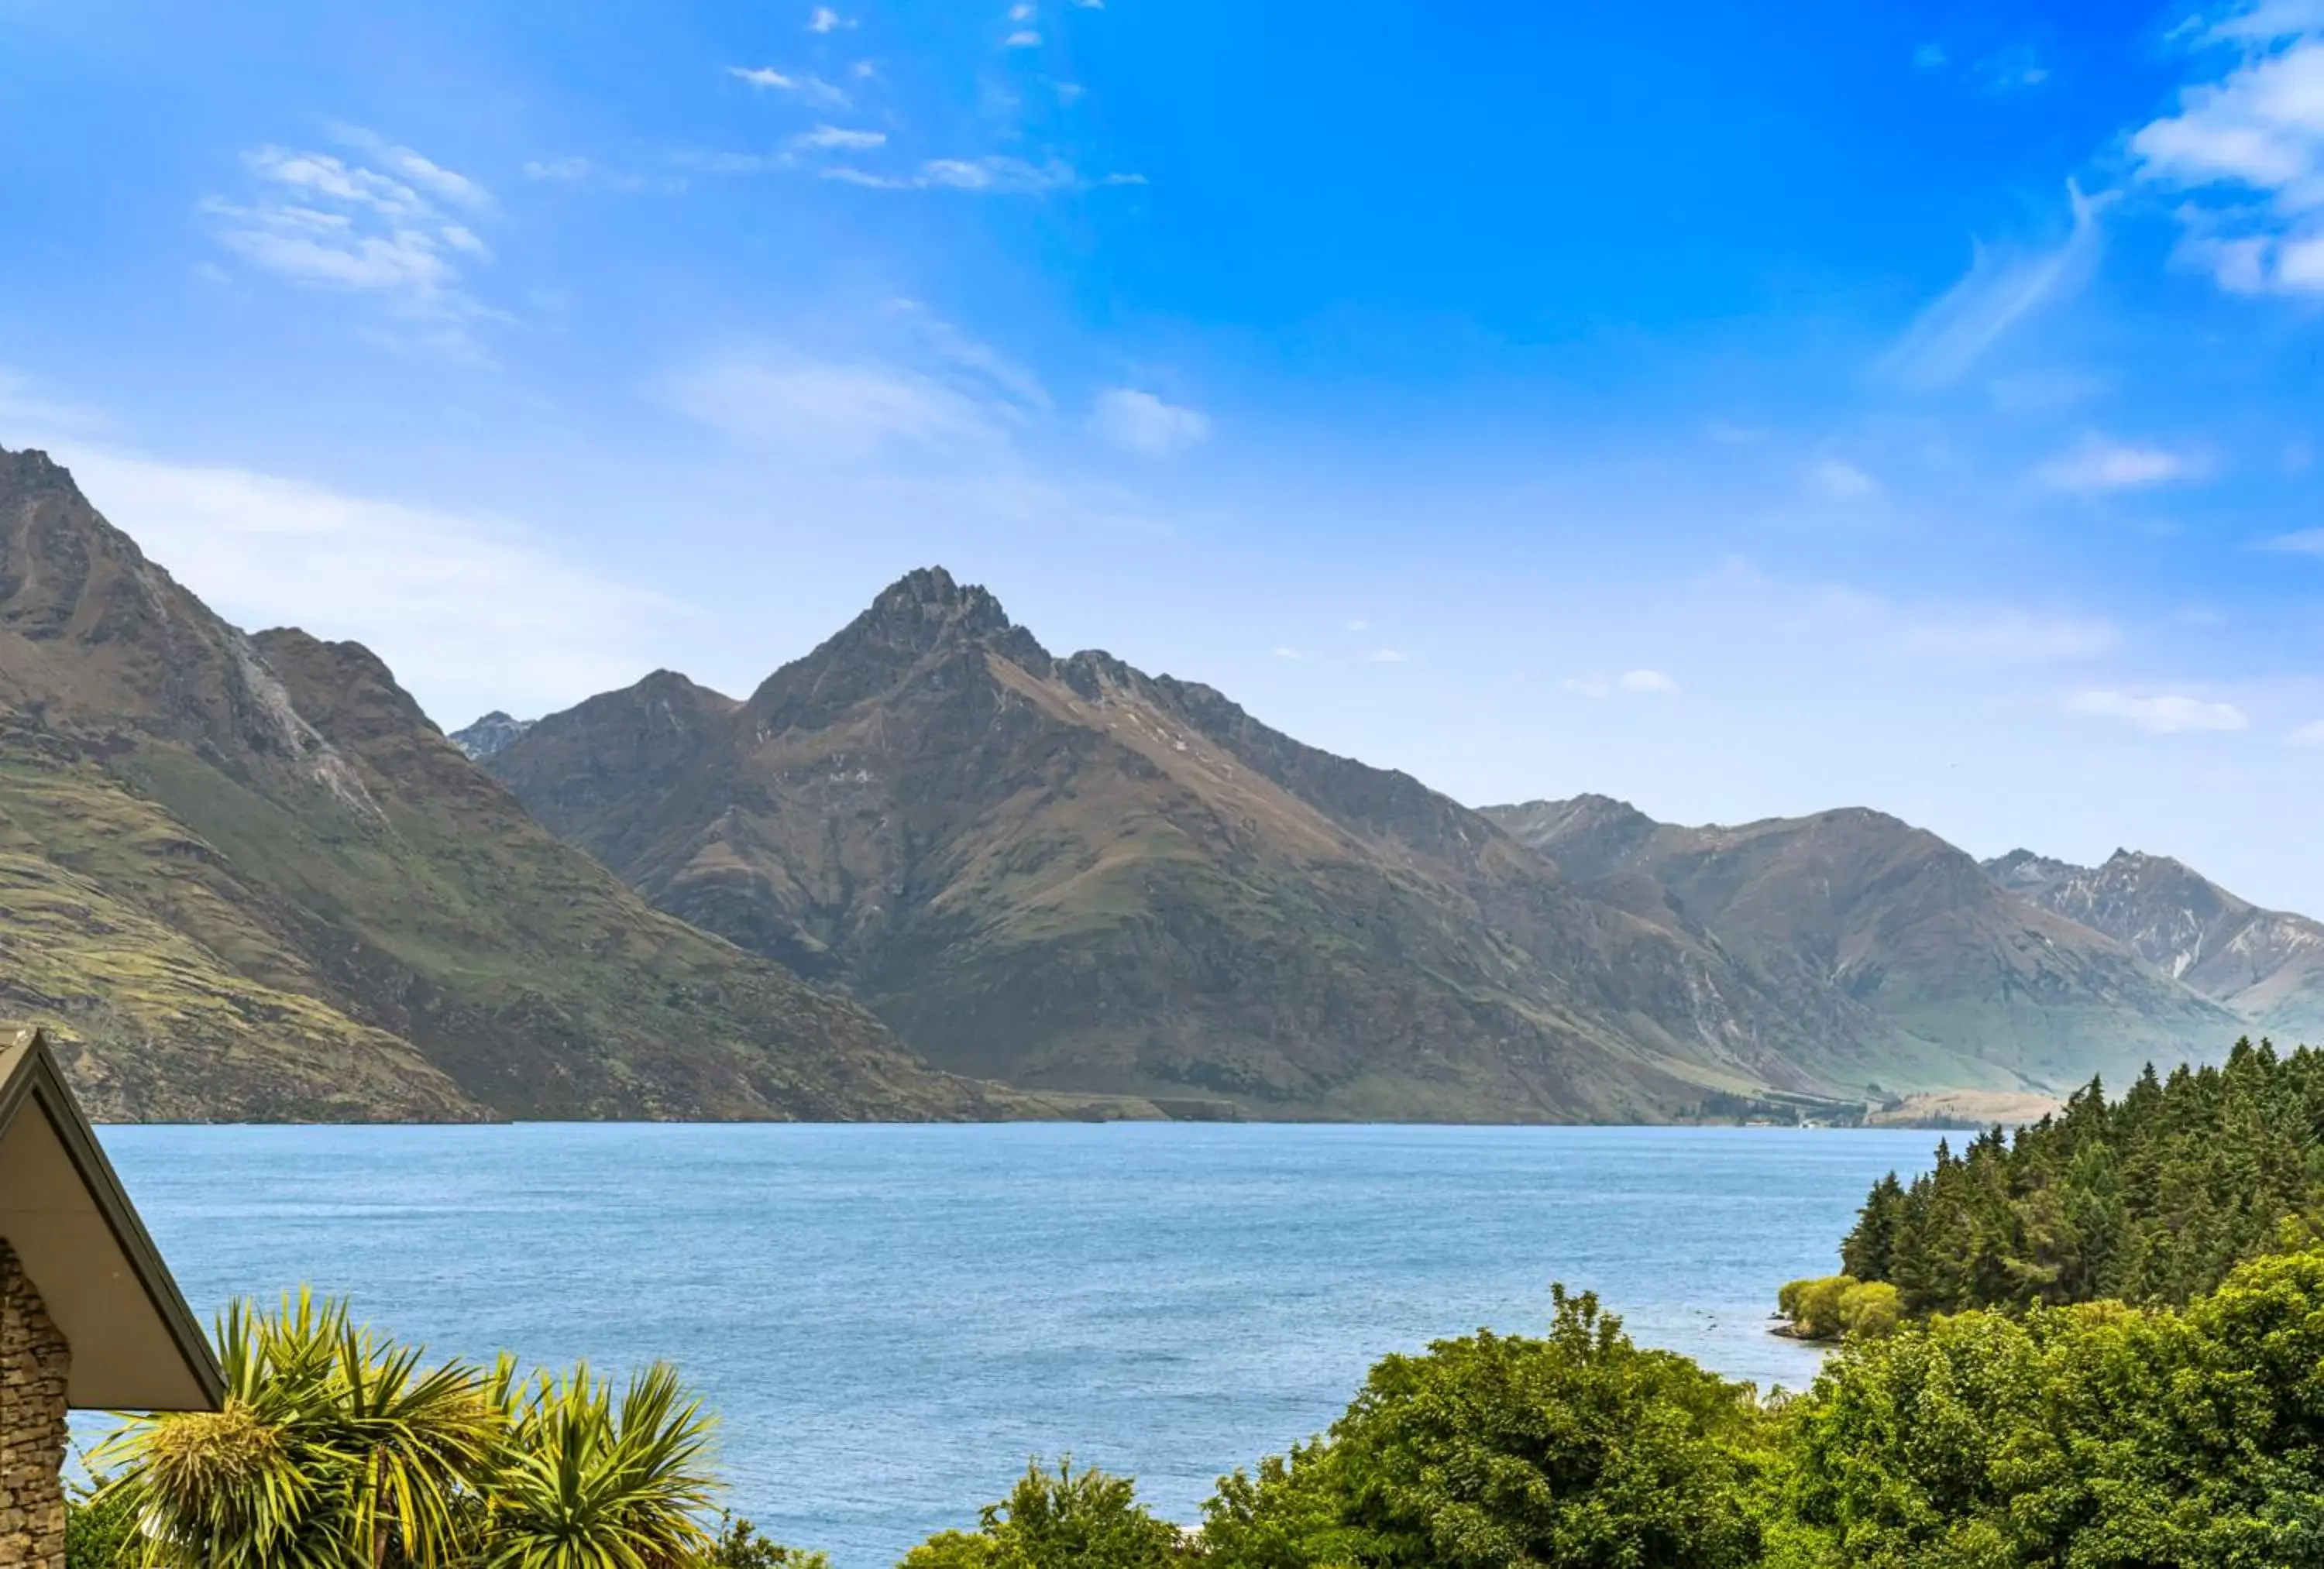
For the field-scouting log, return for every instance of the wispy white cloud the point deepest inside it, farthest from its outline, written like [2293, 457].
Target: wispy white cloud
[27, 407]
[1293, 656]
[825, 137]
[1358, 625]
[2011, 70]
[1023, 38]
[2164, 713]
[2101, 464]
[1628, 683]
[1836, 480]
[824, 19]
[831, 411]
[423, 173]
[978, 358]
[1388, 656]
[2247, 147]
[1930, 57]
[380, 227]
[2006, 635]
[472, 611]
[559, 169]
[995, 176]
[2307, 541]
[2307, 735]
[812, 89]
[2001, 288]
[1141, 423]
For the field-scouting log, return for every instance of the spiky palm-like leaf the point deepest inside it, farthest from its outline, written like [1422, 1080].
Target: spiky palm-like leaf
[335, 1450]
[591, 1482]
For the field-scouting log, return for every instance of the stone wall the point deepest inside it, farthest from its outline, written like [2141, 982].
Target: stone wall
[33, 1362]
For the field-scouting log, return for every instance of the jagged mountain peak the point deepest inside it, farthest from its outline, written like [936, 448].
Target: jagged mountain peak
[488, 734]
[354, 920]
[928, 604]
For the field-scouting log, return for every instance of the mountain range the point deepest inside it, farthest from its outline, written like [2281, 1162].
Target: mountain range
[931, 869]
[245, 878]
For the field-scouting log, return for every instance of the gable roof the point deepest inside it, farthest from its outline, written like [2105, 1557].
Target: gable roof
[136, 1344]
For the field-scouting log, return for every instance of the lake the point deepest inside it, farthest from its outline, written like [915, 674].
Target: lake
[891, 1319]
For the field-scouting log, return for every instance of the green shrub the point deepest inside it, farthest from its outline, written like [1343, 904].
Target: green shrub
[1575, 1451]
[1065, 1519]
[1869, 1309]
[99, 1526]
[739, 1546]
[1813, 1306]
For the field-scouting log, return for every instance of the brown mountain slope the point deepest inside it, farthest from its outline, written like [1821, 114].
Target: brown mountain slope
[1894, 918]
[249, 879]
[2267, 965]
[1062, 872]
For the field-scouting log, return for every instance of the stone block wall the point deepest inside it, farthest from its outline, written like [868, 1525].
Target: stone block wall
[34, 1363]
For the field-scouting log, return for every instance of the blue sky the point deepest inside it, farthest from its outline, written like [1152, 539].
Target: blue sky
[1742, 410]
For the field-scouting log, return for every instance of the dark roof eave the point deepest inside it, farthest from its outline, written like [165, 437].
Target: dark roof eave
[29, 1071]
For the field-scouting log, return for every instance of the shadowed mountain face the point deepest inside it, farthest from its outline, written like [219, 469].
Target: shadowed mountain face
[245, 877]
[2266, 964]
[1062, 872]
[1893, 918]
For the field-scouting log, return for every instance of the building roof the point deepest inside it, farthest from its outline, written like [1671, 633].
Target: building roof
[136, 1344]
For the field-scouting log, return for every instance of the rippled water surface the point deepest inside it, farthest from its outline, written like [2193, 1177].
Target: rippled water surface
[891, 1319]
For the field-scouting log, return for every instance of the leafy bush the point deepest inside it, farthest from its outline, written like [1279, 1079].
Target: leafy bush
[99, 1528]
[739, 1546]
[1068, 1519]
[1869, 1309]
[1813, 1307]
[1570, 1452]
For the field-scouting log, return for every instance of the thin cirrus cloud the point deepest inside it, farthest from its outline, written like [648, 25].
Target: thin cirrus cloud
[472, 611]
[2164, 713]
[1629, 683]
[1836, 480]
[828, 411]
[824, 19]
[2307, 735]
[2001, 290]
[384, 221]
[1141, 423]
[992, 176]
[2100, 465]
[568, 168]
[2307, 541]
[2246, 148]
[826, 138]
[2006, 636]
[812, 89]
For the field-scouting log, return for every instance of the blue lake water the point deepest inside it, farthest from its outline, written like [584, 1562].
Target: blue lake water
[891, 1319]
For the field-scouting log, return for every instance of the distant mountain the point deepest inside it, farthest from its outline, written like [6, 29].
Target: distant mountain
[1062, 872]
[246, 879]
[488, 735]
[1893, 918]
[2267, 965]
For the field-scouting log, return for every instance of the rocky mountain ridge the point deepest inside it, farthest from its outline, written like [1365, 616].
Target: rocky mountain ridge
[488, 735]
[1061, 871]
[2267, 965]
[245, 878]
